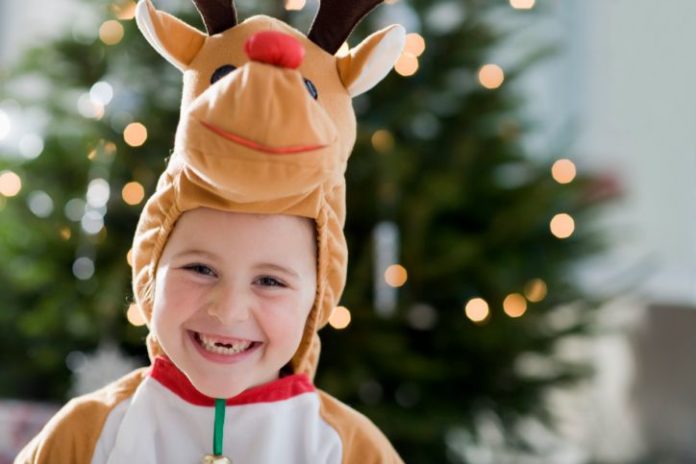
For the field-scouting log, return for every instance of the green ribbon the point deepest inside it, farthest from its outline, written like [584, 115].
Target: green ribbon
[220, 405]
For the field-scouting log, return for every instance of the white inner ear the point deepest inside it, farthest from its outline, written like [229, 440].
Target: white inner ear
[144, 21]
[380, 62]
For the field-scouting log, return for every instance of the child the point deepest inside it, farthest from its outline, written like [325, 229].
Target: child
[239, 255]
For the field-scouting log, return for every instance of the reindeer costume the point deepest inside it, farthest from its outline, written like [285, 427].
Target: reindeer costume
[267, 126]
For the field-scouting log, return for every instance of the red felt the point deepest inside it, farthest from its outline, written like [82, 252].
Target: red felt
[275, 48]
[167, 374]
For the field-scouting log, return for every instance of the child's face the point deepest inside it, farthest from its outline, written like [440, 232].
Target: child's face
[232, 295]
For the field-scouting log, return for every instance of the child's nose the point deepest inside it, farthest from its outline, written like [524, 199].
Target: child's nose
[230, 306]
[275, 48]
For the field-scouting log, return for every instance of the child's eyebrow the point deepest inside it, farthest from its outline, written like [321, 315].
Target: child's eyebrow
[277, 267]
[206, 254]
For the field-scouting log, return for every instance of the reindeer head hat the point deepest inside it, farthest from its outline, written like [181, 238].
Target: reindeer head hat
[267, 126]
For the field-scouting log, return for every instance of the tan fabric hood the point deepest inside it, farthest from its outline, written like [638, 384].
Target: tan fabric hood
[256, 140]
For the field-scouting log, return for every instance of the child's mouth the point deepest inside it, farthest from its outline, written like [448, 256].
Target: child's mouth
[223, 346]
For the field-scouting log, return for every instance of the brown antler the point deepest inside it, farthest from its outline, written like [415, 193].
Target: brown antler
[336, 19]
[218, 15]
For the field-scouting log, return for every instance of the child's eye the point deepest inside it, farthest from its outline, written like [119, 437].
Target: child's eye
[201, 269]
[267, 281]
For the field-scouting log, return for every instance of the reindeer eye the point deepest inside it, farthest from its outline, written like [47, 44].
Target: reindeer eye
[311, 88]
[221, 72]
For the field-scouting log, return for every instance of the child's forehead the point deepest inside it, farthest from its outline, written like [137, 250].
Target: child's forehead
[205, 227]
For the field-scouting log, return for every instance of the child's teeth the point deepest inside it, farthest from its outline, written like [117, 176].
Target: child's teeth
[214, 346]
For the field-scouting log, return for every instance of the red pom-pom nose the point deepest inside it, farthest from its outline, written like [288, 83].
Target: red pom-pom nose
[275, 48]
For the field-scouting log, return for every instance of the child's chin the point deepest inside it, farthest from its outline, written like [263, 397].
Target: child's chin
[228, 390]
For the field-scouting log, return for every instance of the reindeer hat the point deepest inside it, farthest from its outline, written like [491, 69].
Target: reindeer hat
[267, 126]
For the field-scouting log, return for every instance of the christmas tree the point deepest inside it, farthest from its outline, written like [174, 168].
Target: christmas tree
[461, 245]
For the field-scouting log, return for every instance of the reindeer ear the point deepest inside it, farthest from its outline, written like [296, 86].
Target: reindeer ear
[175, 40]
[370, 62]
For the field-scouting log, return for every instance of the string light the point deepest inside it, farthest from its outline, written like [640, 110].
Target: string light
[535, 290]
[135, 134]
[396, 275]
[111, 32]
[477, 310]
[522, 4]
[294, 5]
[563, 171]
[491, 76]
[514, 305]
[562, 225]
[65, 233]
[10, 183]
[382, 140]
[134, 316]
[340, 318]
[133, 193]
[415, 44]
[407, 64]
[124, 10]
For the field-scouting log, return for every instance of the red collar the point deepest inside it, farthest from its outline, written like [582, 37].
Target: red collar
[167, 374]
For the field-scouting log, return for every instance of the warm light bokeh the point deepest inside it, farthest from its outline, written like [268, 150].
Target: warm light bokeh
[407, 64]
[10, 183]
[382, 140]
[124, 10]
[134, 316]
[563, 171]
[340, 318]
[515, 305]
[535, 290]
[415, 44]
[135, 134]
[133, 193]
[522, 4]
[491, 76]
[396, 275]
[294, 4]
[562, 225]
[111, 32]
[477, 310]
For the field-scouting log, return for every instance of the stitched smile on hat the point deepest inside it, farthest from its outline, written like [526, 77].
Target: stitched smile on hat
[258, 146]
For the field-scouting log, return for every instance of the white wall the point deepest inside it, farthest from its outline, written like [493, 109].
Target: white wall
[624, 85]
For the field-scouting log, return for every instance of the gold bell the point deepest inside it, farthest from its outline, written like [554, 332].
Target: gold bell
[212, 459]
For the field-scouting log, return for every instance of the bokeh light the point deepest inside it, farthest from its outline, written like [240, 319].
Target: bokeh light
[514, 305]
[562, 225]
[415, 44]
[134, 316]
[396, 275]
[10, 183]
[491, 76]
[294, 4]
[135, 134]
[563, 171]
[535, 290]
[340, 318]
[477, 310]
[133, 193]
[124, 10]
[407, 64]
[382, 141]
[111, 32]
[522, 4]
[65, 233]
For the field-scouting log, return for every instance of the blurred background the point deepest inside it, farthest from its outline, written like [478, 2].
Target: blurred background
[522, 238]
